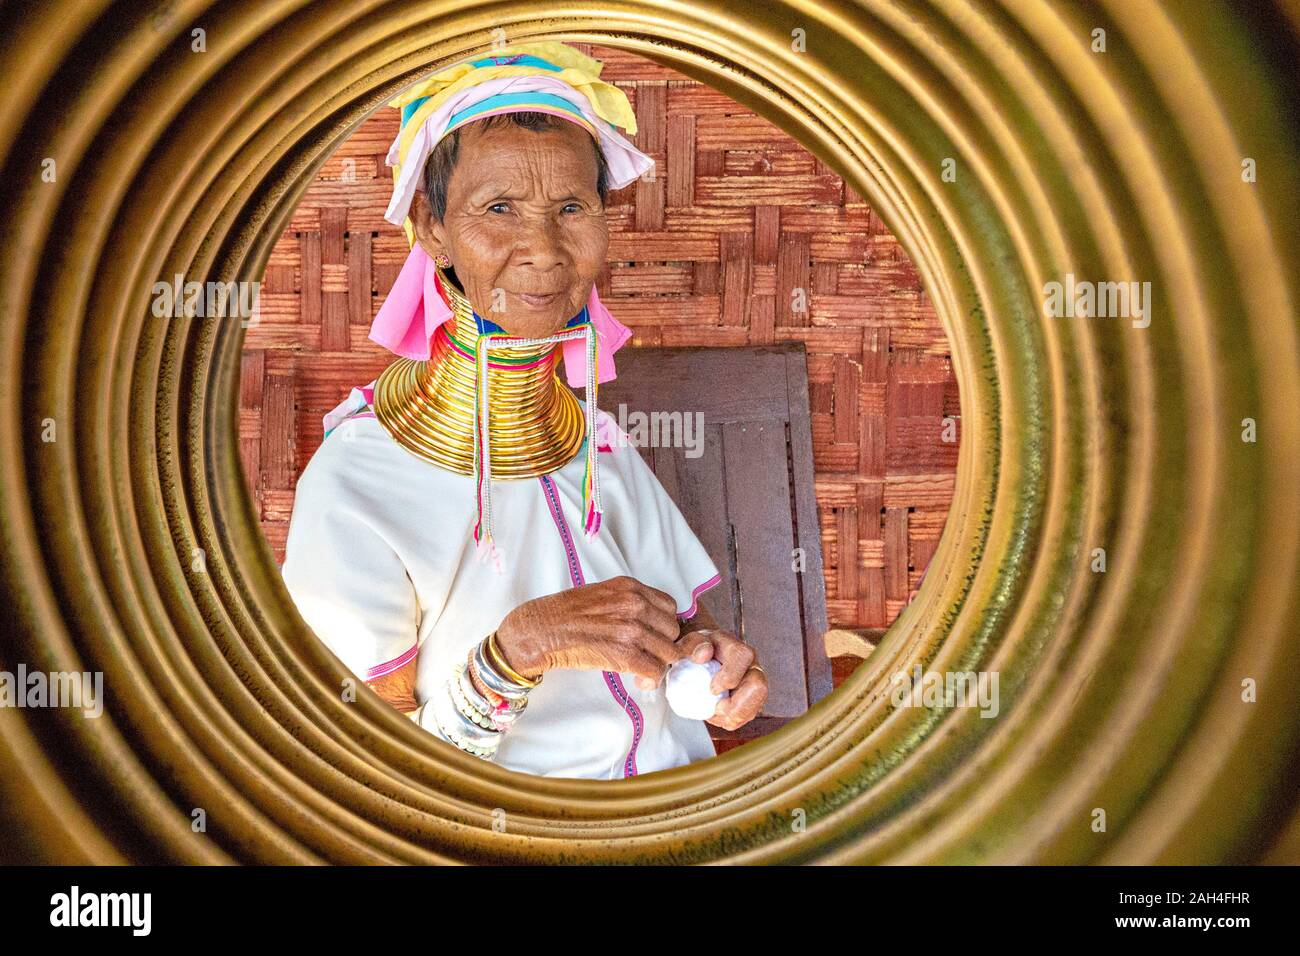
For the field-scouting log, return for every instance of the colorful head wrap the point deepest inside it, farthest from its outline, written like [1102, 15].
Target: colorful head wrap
[547, 77]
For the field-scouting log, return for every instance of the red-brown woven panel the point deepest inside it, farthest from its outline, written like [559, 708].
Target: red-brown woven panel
[713, 252]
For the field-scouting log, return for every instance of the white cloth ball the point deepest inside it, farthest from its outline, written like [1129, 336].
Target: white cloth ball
[688, 691]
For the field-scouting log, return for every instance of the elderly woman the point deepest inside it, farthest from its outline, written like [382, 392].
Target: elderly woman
[432, 545]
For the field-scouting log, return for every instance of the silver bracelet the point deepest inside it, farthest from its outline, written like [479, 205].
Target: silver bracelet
[493, 680]
[501, 718]
[482, 712]
[466, 708]
[487, 753]
[484, 706]
[466, 684]
[459, 729]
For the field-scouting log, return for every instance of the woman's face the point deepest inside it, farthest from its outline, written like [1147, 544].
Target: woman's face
[525, 228]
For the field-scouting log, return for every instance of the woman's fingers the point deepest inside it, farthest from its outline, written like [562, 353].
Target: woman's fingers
[649, 670]
[736, 658]
[637, 649]
[697, 646]
[664, 623]
[747, 684]
[694, 645]
[661, 599]
[744, 704]
[627, 599]
[647, 638]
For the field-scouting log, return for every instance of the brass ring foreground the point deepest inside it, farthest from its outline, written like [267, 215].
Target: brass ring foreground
[1146, 712]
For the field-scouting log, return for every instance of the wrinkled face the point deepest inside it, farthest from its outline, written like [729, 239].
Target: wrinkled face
[524, 228]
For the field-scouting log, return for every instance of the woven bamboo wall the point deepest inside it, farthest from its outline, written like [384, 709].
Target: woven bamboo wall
[709, 254]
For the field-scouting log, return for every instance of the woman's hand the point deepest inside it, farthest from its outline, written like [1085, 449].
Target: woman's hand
[615, 625]
[740, 675]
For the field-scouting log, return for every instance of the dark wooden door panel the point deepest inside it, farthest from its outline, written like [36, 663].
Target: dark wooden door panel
[698, 486]
[749, 498]
[758, 506]
[727, 385]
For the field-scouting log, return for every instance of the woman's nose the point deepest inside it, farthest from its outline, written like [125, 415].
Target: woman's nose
[539, 243]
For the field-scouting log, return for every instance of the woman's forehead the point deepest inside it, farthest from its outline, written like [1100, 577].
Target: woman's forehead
[512, 155]
[563, 141]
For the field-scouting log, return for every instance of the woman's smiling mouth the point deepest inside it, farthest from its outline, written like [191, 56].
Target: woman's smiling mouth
[537, 301]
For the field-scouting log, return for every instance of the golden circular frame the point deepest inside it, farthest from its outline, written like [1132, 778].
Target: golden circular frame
[1147, 711]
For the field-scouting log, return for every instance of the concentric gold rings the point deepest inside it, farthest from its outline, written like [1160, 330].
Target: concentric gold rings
[1146, 711]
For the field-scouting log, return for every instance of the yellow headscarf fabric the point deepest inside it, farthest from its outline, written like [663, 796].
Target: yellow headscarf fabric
[578, 70]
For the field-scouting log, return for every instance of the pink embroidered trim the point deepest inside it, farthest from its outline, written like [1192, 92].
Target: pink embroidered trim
[615, 685]
[570, 552]
[695, 595]
[379, 670]
[612, 680]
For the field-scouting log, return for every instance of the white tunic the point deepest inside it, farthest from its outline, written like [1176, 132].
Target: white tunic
[381, 563]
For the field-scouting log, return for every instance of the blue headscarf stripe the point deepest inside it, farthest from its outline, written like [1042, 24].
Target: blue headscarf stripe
[409, 109]
[498, 100]
[523, 59]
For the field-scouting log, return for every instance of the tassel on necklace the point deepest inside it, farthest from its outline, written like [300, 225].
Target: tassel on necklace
[591, 505]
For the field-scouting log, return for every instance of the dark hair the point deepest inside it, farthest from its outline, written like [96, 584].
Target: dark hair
[441, 162]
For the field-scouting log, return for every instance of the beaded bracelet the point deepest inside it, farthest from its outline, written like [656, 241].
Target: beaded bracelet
[481, 718]
[457, 728]
[503, 711]
[501, 714]
[471, 720]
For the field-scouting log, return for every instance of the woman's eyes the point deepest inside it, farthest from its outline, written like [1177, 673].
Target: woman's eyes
[576, 207]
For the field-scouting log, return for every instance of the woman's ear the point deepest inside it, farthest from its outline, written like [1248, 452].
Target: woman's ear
[421, 214]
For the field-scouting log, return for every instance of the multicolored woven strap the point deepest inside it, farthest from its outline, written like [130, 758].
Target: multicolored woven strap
[492, 337]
